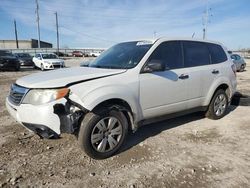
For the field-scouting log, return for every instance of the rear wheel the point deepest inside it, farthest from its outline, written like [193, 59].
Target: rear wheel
[218, 105]
[103, 133]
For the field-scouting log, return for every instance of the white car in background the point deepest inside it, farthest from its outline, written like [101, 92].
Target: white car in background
[46, 61]
[95, 54]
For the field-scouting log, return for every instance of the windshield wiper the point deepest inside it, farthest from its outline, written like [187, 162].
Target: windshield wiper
[106, 67]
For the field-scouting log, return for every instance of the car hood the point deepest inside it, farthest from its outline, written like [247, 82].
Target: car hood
[65, 77]
[53, 60]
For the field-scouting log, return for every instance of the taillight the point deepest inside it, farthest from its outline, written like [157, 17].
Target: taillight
[234, 68]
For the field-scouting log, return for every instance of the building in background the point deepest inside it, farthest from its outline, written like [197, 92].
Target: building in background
[23, 44]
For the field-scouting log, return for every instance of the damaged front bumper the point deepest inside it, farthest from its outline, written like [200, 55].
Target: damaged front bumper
[48, 120]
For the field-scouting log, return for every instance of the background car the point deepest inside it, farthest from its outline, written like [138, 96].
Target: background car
[95, 54]
[46, 61]
[25, 59]
[239, 62]
[77, 54]
[61, 54]
[8, 61]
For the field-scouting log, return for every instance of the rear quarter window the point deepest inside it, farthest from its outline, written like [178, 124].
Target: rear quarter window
[217, 53]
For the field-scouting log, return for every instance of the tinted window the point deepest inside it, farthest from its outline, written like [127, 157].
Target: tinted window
[217, 53]
[233, 57]
[195, 54]
[237, 57]
[170, 53]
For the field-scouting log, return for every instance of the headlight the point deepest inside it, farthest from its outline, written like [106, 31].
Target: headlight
[42, 96]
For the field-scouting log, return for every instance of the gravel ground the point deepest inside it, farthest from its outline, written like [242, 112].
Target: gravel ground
[189, 151]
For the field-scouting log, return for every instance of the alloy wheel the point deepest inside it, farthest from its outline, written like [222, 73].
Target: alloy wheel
[220, 104]
[106, 134]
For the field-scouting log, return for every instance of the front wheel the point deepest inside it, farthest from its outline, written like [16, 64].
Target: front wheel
[42, 67]
[218, 105]
[103, 133]
[242, 67]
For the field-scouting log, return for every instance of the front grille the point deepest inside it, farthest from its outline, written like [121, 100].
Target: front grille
[57, 66]
[17, 93]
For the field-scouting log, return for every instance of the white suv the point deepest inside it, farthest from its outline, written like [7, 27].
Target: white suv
[128, 85]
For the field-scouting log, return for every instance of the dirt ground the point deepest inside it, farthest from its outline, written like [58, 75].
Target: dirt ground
[189, 151]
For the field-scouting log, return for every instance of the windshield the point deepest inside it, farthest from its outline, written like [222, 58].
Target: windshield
[49, 56]
[122, 56]
[23, 55]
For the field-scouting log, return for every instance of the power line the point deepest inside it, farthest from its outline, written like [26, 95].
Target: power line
[87, 35]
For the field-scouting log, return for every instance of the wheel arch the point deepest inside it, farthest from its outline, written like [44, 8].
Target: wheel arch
[121, 105]
[222, 85]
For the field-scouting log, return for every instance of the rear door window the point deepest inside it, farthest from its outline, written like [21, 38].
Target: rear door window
[195, 54]
[217, 53]
[169, 53]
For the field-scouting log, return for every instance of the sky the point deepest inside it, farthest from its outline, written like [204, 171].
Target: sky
[103, 23]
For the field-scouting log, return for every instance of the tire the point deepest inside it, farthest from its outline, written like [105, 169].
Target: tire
[42, 67]
[242, 67]
[221, 99]
[96, 139]
[17, 68]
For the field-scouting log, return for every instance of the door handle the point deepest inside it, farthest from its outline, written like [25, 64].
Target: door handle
[215, 71]
[183, 76]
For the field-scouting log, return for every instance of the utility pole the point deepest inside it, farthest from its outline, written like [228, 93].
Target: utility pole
[16, 34]
[57, 34]
[205, 20]
[38, 25]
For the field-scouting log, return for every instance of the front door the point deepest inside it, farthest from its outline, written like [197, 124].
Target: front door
[164, 92]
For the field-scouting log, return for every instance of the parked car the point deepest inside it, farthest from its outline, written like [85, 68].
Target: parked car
[46, 61]
[25, 59]
[61, 54]
[77, 54]
[94, 54]
[129, 85]
[87, 54]
[239, 62]
[8, 61]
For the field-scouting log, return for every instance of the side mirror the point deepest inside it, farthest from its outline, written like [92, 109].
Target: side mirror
[154, 66]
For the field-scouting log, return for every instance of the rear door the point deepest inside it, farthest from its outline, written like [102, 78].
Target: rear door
[197, 63]
[164, 92]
